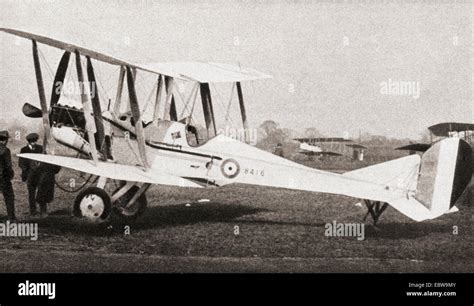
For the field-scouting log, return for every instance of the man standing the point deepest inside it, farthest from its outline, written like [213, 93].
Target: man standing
[39, 177]
[45, 194]
[31, 170]
[6, 175]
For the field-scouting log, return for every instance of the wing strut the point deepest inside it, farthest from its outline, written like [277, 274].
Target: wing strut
[243, 113]
[90, 124]
[173, 112]
[42, 96]
[159, 89]
[134, 107]
[170, 106]
[118, 98]
[208, 110]
[97, 110]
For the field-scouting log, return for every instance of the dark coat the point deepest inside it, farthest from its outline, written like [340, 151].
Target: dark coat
[46, 183]
[28, 166]
[39, 175]
[6, 169]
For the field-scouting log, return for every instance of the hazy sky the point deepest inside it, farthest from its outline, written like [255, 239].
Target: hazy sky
[330, 61]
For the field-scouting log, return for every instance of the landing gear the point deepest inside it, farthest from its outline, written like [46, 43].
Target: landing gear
[92, 203]
[129, 202]
[375, 209]
[125, 205]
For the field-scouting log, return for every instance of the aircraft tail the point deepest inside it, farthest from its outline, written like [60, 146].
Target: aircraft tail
[424, 188]
[445, 172]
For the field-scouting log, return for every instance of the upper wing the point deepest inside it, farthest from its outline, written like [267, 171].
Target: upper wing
[420, 147]
[196, 71]
[112, 170]
[207, 72]
[66, 46]
[316, 153]
[443, 129]
[356, 146]
[322, 139]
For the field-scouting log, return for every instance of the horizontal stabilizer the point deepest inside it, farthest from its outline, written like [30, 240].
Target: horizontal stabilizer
[400, 174]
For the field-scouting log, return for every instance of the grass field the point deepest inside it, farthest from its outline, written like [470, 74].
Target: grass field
[279, 231]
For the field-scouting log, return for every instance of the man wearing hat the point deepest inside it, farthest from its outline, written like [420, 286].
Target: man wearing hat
[30, 170]
[39, 177]
[6, 175]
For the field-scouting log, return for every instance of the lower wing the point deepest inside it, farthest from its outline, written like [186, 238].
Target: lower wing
[112, 170]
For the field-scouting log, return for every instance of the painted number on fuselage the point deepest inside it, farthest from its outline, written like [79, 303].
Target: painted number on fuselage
[252, 171]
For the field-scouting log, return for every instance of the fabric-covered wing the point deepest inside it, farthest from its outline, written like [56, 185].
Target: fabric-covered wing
[207, 72]
[322, 139]
[66, 46]
[112, 170]
[443, 129]
[419, 147]
[315, 153]
[356, 146]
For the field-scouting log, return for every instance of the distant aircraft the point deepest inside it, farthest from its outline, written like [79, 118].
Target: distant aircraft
[167, 150]
[330, 146]
[440, 131]
[443, 130]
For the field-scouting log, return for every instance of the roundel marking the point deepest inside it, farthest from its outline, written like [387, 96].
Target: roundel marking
[230, 168]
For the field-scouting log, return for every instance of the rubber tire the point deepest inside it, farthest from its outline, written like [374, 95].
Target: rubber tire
[98, 192]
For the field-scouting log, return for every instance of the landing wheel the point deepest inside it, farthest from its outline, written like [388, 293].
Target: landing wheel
[93, 204]
[123, 210]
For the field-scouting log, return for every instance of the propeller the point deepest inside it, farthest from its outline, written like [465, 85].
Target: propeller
[31, 111]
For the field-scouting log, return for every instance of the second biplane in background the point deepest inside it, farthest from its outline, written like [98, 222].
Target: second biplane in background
[331, 146]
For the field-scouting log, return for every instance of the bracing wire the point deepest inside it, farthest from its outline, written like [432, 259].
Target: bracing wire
[186, 104]
[48, 68]
[149, 98]
[230, 102]
[221, 103]
[194, 103]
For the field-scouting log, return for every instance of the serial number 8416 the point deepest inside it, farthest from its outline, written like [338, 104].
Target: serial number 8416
[250, 171]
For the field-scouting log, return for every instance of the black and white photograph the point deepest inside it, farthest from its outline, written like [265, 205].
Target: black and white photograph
[237, 137]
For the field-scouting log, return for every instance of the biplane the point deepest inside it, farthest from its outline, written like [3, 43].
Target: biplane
[122, 146]
[330, 146]
[443, 130]
[440, 131]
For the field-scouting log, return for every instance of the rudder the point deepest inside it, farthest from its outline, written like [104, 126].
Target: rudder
[445, 172]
